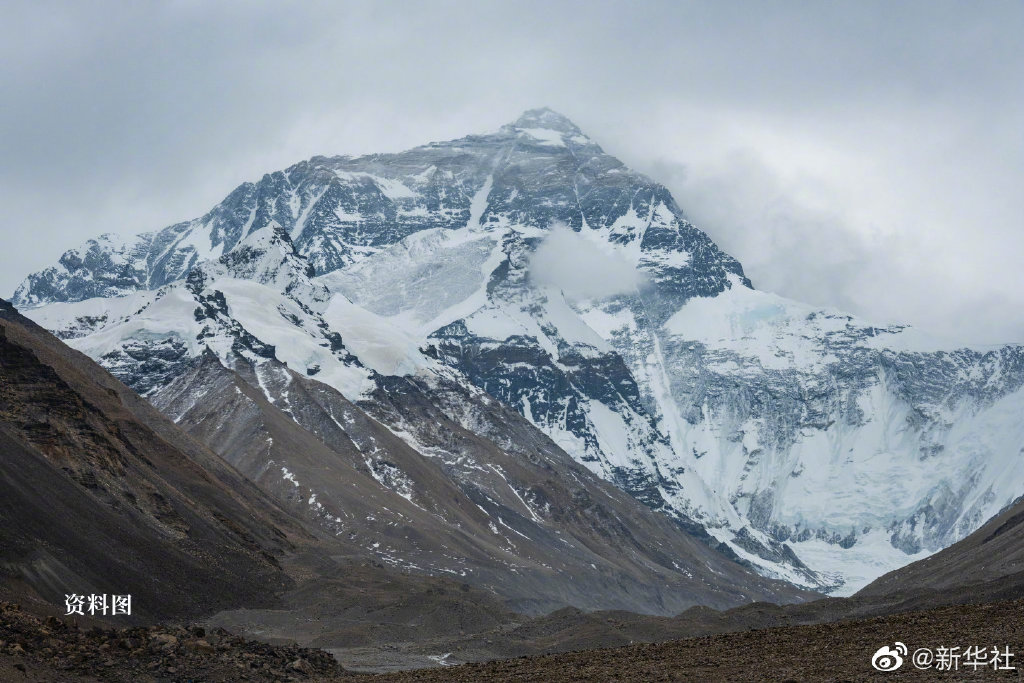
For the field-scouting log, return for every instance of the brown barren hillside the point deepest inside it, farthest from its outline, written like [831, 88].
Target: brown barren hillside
[102, 495]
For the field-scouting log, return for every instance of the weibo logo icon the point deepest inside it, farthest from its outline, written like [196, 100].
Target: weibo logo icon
[889, 658]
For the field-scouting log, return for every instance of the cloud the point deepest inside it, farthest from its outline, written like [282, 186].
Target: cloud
[832, 259]
[889, 133]
[568, 261]
[785, 246]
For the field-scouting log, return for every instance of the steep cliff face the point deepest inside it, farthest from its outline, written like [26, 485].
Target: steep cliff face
[813, 446]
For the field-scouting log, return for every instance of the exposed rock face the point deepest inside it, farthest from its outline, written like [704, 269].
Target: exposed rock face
[811, 445]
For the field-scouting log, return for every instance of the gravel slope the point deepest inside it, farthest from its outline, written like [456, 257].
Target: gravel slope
[839, 651]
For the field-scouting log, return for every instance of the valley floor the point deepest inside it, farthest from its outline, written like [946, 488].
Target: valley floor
[34, 649]
[840, 651]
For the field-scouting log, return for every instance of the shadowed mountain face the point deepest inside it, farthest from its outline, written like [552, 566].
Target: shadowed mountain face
[99, 493]
[815, 447]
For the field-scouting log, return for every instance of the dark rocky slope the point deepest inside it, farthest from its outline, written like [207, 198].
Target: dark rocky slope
[96, 500]
[993, 555]
[58, 649]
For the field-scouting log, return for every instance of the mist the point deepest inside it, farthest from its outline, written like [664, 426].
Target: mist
[866, 156]
[568, 261]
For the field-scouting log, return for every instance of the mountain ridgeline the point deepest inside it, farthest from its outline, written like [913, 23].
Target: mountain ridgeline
[368, 340]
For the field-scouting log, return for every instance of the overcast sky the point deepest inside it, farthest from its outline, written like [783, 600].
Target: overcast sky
[863, 155]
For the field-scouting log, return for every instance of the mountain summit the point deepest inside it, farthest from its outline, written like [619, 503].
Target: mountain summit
[539, 171]
[546, 118]
[805, 443]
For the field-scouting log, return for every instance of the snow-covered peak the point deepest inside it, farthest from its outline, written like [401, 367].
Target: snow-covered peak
[264, 253]
[340, 210]
[548, 128]
[545, 118]
[268, 256]
[102, 267]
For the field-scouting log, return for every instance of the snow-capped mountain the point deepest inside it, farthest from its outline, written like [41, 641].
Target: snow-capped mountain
[421, 470]
[810, 445]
